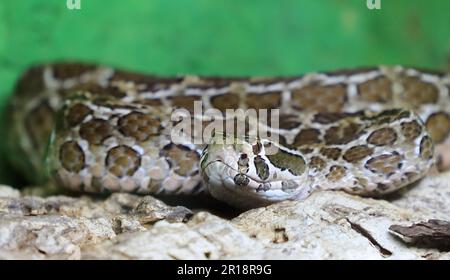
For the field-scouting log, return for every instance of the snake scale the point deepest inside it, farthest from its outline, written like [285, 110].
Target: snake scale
[98, 129]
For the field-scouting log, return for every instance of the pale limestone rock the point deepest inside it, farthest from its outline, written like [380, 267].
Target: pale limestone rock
[56, 227]
[430, 197]
[327, 225]
[204, 237]
[50, 236]
[7, 191]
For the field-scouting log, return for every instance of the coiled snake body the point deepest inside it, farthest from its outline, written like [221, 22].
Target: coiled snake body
[365, 131]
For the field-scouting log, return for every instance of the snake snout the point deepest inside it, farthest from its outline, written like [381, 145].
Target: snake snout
[235, 174]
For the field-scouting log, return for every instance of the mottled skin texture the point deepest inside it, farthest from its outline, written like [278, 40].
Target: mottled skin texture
[365, 131]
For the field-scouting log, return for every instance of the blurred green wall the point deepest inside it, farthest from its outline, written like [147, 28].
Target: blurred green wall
[226, 37]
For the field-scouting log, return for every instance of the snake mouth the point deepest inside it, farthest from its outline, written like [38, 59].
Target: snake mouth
[234, 170]
[221, 176]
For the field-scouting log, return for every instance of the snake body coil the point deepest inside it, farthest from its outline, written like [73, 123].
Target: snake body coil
[366, 131]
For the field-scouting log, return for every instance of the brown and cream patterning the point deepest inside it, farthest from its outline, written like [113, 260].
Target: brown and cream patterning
[98, 129]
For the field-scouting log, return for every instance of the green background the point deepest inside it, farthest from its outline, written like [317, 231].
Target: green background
[221, 37]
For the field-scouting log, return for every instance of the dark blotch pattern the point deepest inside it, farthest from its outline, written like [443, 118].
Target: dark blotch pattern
[411, 130]
[257, 148]
[139, 126]
[386, 164]
[268, 100]
[181, 158]
[317, 163]
[262, 169]
[31, 82]
[225, 101]
[438, 124]
[76, 114]
[336, 173]
[289, 121]
[123, 161]
[418, 92]
[376, 90]
[71, 70]
[241, 180]
[242, 163]
[96, 131]
[338, 135]
[307, 136]
[426, 148]
[357, 153]
[285, 160]
[331, 153]
[403, 115]
[384, 117]
[327, 118]
[382, 137]
[186, 102]
[306, 151]
[72, 157]
[322, 98]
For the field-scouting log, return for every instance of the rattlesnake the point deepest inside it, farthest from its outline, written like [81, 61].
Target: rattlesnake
[365, 131]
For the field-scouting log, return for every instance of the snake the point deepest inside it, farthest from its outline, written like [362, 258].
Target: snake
[98, 129]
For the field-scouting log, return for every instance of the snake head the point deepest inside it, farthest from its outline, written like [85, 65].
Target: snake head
[253, 173]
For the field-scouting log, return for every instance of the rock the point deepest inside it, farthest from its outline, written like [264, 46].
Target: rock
[56, 227]
[326, 225]
[329, 225]
[52, 237]
[204, 237]
[7, 191]
[430, 196]
[434, 233]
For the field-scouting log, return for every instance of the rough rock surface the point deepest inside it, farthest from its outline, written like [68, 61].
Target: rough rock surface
[433, 233]
[327, 225]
